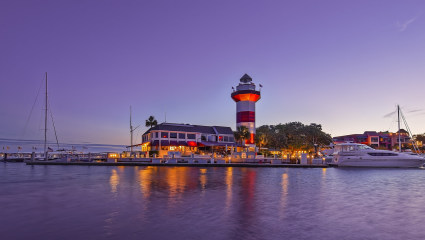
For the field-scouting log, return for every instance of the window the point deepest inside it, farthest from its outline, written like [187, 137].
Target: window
[182, 136]
[383, 154]
[226, 138]
[191, 136]
[164, 134]
[156, 134]
[203, 138]
[212, 138]
[231, 139]
[364, 147]
[220, 138]
[374, 139]
[173, 135]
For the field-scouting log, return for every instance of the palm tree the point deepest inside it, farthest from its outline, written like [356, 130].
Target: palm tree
[262, 140]
[242, 133]
[151, 122]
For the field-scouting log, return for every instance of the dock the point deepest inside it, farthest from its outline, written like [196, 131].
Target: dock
[250, 165]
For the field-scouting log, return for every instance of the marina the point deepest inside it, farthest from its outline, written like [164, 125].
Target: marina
[212, 120]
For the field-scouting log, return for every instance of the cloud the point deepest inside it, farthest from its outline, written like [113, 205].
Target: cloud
[403, 26]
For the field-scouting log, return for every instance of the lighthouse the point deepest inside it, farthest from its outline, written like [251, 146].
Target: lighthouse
[245, 96]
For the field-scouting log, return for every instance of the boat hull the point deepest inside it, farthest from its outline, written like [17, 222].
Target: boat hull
[382, 162]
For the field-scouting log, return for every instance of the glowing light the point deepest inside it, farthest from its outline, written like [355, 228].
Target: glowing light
[246, 97]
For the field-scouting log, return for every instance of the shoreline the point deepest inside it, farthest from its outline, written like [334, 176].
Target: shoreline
[251, 165]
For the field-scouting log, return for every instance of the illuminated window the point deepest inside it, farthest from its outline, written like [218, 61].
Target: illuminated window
[164, 134]
[220, 138]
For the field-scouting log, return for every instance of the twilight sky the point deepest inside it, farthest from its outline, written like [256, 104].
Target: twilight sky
[342, 64]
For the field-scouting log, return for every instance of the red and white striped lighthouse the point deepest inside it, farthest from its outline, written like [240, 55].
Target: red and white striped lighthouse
[245, 97]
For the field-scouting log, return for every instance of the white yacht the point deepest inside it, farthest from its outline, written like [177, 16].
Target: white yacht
[360, 155]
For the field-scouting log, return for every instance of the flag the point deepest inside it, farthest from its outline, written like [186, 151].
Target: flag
[7, 147]
[49, 149]
[19, 148]
[260, 85]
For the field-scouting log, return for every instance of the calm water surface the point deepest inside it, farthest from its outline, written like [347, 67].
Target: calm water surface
[92, 202]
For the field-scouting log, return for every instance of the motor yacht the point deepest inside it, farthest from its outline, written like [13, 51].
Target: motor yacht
[360, 155]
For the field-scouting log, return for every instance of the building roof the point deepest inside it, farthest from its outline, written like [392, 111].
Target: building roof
[190, 128]
[246, 78]
[403, 131]
[374, 133]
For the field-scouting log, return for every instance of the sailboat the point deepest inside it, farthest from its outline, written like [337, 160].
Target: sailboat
[361, 155]
[46, 148]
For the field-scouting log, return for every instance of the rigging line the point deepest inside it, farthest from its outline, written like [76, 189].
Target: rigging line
[32, 109]
[53, 122]
[409, 131]
[392, 121]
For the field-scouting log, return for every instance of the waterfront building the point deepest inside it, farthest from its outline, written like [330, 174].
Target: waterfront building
[387, 140]
[245, 96]
[187, 139]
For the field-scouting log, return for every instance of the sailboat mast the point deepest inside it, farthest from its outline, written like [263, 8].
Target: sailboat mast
[45, 123]
[131, 134]
[399, 136]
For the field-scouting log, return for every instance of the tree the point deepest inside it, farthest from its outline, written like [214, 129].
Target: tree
[242, 133]
[293, 136]
[420, 140]
[419, 137]
[151, 122]
[262, 137]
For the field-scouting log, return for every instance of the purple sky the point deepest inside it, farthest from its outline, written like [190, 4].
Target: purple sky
[343, 64]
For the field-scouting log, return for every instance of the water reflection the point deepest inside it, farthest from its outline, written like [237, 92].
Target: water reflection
[324, 174]
[176, 180]
[203, 178]
[114, 180]
[229, 182]
[247, 208]
[216, 203]
[284, 195]
[145, 181]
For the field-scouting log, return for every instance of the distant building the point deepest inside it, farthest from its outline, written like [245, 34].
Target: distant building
[375, 139]
[187, 139]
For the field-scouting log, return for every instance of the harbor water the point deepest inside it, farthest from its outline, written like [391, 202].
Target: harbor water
[106, 202]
